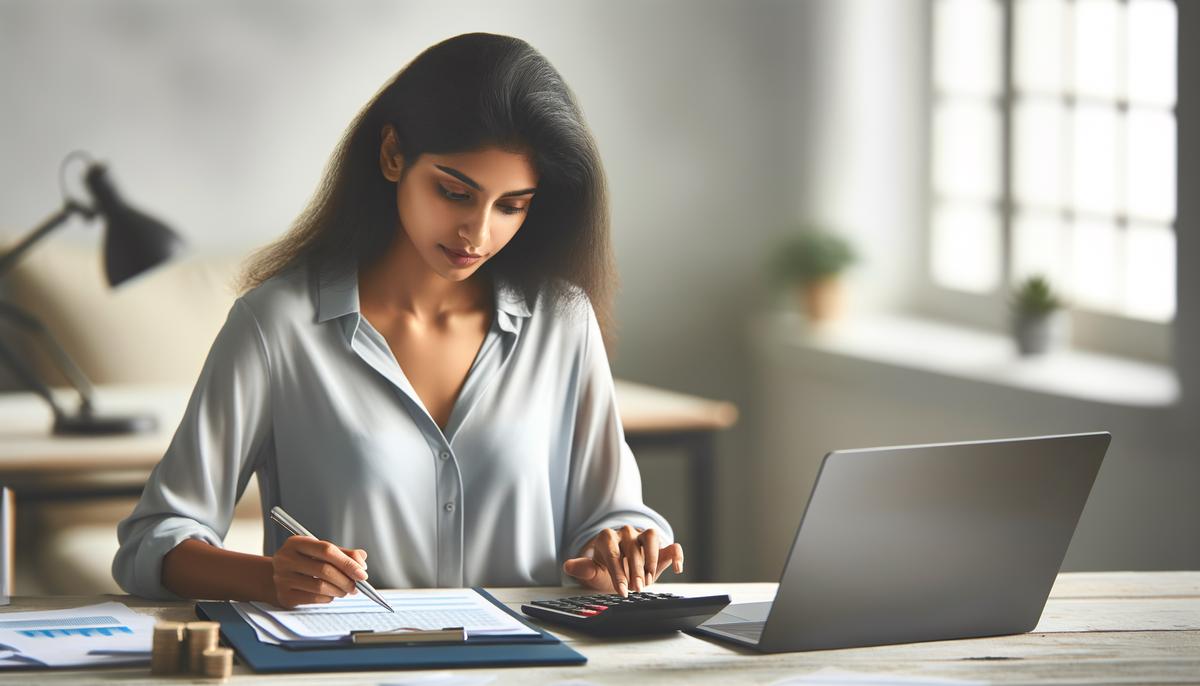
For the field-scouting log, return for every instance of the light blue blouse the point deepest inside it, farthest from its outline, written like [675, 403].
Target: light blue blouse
[302, 391]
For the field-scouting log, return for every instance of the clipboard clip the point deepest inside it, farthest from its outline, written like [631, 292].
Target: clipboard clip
[453, 634]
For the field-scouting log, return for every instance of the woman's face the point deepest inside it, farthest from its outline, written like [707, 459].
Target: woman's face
[460, 209]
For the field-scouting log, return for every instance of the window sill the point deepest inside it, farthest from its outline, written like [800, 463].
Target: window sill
[938, 347]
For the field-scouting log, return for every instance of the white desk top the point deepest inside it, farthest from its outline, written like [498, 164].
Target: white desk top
[1098, 628]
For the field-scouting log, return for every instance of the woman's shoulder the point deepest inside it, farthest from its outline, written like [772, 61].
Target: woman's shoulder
[562, 307]
[285, 297]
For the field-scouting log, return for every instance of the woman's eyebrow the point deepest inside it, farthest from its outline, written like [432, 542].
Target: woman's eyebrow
[471, 182]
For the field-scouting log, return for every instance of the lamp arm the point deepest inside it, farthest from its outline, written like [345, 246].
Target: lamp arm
[62, 359]
[9, 259]
[35, 384]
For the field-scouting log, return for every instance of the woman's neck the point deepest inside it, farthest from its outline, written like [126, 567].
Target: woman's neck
[401, 283]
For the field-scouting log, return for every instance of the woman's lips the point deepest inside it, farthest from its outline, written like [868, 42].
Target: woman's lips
[460, 259]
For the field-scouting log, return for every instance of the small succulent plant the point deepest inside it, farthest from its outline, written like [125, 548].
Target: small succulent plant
[1035, 297]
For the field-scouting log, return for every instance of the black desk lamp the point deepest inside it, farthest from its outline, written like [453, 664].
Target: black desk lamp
[133, 243]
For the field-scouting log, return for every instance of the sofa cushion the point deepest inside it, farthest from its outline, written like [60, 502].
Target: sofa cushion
[155, 329]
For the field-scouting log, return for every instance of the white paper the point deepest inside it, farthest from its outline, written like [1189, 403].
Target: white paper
[63, 638]
[414, 610]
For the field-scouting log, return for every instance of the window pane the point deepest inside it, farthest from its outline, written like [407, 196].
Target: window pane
[1094, 277]
[1150, 164]
[1096, 33]
[966, 248]
[1152, 38]
[966, 53]
[1039, 45]
[1039, 247]
[966, 150]
[1094, 151]
[1149, 272]
[1038, 128]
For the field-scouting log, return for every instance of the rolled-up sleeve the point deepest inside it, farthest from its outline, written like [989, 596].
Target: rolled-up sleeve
[605, 487]
[225, 430]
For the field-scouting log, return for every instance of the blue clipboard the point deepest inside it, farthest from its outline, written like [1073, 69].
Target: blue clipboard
[486, 651]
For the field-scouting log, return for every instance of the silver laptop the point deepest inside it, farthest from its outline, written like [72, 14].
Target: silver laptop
[924, 543]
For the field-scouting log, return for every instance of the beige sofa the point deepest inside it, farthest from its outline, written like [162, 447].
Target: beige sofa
[154, 330]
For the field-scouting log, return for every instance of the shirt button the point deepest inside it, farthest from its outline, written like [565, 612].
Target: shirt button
[445, 455]
[448, 507]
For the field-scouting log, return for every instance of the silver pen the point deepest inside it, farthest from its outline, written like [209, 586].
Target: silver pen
[288, 522]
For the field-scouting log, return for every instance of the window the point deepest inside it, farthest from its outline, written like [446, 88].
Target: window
[1052, 151]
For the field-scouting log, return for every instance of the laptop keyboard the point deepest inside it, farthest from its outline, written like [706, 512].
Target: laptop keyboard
[750, 630]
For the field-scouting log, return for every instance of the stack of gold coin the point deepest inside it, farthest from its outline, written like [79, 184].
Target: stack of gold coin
[166, 648]
[218, 663]
[201, 636]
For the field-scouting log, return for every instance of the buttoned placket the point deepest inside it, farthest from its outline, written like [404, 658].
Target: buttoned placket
[449, 514]
[372, 348]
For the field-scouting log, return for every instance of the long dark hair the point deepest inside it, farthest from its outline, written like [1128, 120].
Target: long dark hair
[465, 93]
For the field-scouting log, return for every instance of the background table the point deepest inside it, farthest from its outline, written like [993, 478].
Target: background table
[1098, 628]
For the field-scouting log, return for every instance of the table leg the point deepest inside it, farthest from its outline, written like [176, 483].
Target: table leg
[8, 543]
[704, 507]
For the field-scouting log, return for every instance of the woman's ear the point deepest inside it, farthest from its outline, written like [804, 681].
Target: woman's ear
[391, 162]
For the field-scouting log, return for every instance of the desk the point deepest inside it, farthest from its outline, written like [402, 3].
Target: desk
[39, 466]
[1097, 628]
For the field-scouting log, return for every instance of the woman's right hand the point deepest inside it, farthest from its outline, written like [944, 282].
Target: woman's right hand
[308, 570]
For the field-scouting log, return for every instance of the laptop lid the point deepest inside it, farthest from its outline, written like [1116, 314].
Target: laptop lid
[931, 542]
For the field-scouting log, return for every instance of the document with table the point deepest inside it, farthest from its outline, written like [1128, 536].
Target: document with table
[335, 620]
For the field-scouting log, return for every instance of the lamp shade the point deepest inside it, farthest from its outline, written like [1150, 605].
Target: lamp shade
[134, 242]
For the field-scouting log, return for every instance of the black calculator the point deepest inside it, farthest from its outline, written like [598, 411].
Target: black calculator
[639, 613]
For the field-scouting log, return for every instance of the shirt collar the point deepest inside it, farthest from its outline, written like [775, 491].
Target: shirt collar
[337, 296]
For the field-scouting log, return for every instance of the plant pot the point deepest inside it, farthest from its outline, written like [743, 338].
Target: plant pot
[822, 300]
[1036, 334]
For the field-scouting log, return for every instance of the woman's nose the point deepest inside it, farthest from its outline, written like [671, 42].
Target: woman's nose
[475, 230]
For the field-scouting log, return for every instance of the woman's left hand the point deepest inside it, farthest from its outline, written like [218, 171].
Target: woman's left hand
[623, 560]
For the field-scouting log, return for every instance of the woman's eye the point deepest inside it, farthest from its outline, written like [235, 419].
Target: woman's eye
[452, 195]
[509, 209]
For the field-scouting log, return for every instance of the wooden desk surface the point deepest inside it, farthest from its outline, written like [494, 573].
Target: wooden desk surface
[28, 449]
[1119, 627]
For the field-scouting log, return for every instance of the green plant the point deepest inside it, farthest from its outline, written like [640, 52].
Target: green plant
[1034, 296]
[809, 256]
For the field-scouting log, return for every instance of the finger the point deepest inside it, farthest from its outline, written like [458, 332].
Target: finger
[649, 544]
[292, 599]
[358, 555]
[324, 550]
[609, 550]
[672, 555]
[315, 586]
[631, 551]
[585, 570]
[319, 569]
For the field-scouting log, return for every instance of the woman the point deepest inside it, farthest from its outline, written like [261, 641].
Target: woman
[418, 367]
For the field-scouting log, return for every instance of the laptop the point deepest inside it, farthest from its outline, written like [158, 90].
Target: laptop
[924, 543]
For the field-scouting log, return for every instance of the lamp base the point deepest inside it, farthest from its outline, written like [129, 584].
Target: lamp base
[93, 425]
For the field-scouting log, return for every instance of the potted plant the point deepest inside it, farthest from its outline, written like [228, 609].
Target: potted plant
[1039, 317]
[811, 262]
